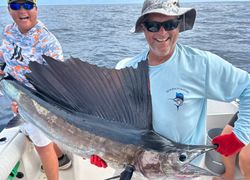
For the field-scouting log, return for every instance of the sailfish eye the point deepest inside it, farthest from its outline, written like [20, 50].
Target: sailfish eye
[183, 157]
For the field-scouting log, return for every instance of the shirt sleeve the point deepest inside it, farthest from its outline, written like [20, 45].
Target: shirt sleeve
[52, 47]
[225, 82]
[132, 62]
[122, 64]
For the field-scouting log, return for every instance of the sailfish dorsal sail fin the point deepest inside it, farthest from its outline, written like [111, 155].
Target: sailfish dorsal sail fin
[119, 96]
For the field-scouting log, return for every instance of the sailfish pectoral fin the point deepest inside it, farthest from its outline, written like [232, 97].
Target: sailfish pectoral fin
[191, 170]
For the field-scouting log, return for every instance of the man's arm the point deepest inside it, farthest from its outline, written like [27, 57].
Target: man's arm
[226, 83]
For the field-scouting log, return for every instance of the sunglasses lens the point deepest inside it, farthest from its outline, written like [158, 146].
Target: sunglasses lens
[152, 26]
[156, 26]
[26, 6]
[15, 6]
[170, 25]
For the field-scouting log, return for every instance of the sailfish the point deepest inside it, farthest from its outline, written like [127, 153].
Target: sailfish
[97, 110]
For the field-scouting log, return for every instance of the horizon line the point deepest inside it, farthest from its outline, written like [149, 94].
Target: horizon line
[93, 3]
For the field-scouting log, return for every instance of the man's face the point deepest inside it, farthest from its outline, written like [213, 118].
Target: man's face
[25, 19]
[161, 43]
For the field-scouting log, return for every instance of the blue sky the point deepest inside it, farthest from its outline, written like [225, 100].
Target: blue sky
[40, 2]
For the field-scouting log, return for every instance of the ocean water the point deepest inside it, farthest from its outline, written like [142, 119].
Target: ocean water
[100, 34]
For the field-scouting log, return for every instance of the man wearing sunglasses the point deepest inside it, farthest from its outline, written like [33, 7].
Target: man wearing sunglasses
[183, 78]
[23, 41]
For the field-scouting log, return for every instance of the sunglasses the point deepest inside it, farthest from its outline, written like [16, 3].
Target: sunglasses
[17, 6]
[153, 26]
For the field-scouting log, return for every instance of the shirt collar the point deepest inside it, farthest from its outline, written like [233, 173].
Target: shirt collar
[38, 26]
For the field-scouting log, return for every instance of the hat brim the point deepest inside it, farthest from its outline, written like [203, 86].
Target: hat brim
[189, 15]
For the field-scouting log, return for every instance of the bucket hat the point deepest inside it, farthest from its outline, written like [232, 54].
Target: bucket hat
[168, 8]
[11, 1]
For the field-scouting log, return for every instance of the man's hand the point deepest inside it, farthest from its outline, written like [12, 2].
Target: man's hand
[228, 144]
[97, 161]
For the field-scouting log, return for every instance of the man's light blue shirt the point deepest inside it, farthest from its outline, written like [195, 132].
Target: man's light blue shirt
[181, 86]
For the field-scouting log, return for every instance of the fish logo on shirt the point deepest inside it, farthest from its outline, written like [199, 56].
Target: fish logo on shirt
[17, 54]
[178, 100]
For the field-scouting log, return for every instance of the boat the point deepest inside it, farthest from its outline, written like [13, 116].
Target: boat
[19, 160]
